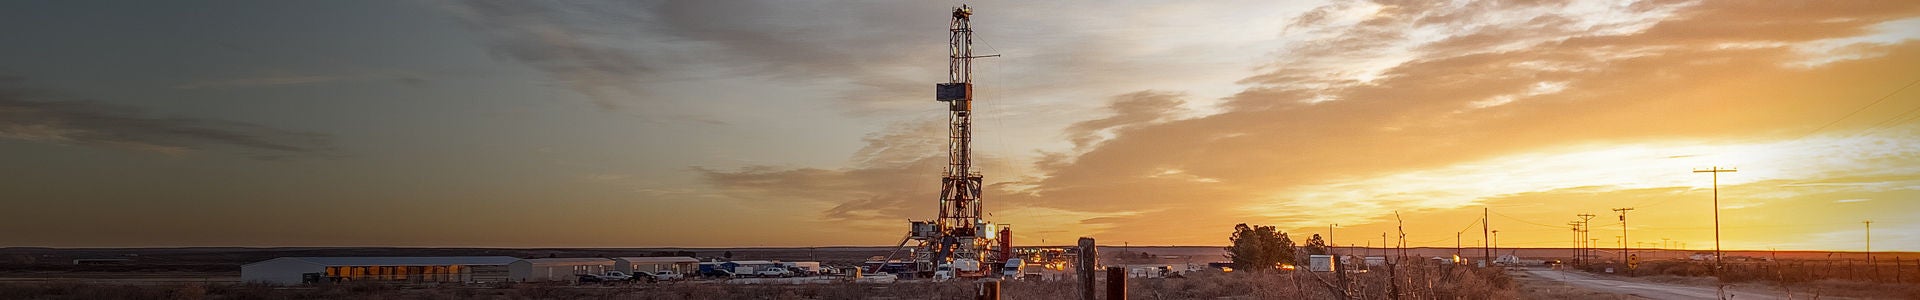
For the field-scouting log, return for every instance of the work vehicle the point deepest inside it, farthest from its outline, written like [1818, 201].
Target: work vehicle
[667, 275]
[774, 272]
[1012, 270]
[610, 276]
[880, 277]
[616, 276]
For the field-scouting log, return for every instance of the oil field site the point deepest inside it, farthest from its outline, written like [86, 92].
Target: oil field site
[665, 149]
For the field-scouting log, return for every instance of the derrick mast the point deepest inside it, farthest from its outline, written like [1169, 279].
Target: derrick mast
[959, 241]
[960, 207]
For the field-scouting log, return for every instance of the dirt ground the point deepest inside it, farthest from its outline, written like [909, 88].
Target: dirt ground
[1532, 286]
[1443, 284]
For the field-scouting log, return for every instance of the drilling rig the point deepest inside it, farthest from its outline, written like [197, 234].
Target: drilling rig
[958, 243]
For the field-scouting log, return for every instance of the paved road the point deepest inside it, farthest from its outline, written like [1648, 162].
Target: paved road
[1641, 289]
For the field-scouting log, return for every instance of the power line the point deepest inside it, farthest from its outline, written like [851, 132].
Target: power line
[1470, 225]
[1862, 108]
[1896, 120]
[1525, 221]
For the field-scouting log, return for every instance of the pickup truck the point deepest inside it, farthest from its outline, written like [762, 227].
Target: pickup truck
[774, 272]
[610, 276]
[617, 276]
[667, 275]
[881, 277]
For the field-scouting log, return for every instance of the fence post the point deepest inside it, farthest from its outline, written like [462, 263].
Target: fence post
[1896, 271]
[1087, 259]
[989, 290]
[1116, 283]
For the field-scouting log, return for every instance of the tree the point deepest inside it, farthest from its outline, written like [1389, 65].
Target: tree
[1257, 248]
[1316, 246]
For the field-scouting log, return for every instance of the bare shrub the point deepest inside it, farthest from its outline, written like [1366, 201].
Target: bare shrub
[1448, 283]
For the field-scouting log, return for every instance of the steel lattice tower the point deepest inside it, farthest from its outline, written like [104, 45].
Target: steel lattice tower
[958, 233]
[960, 206]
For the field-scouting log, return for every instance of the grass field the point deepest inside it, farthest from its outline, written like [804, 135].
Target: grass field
[1433, 282]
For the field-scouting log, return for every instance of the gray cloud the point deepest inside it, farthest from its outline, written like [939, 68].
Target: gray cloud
[98, 125]
[540, 35]
[1132, 109]
[892, 171]
[878, 57]
[281, 79]
[611, 51]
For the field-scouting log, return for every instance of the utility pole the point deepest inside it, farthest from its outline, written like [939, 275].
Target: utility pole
[1486, 254]
[1869, 241]
[1716, 170]
[1330, 244]
[1623, 233]
[1496, 241]
[1586, 227]
[1664, 245]
[1576, 241]
[1591, 242]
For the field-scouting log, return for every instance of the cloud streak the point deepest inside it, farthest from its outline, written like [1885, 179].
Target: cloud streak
[540, 36]
[22, 117]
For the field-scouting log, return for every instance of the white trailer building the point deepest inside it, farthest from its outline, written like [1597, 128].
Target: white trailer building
[682, 265]
[298, 270]
[557, 269]
[1320, 263]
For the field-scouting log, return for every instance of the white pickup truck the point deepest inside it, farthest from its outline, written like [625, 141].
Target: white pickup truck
[610, 276]
[774, 272]
[881, 277]
[667, 275]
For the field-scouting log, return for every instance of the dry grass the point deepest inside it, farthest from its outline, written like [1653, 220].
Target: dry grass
[1431, 282]
[1811, 278]
[1412, 281]
[1536, 288]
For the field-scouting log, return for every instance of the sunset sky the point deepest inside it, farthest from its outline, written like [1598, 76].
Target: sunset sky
[811, 123]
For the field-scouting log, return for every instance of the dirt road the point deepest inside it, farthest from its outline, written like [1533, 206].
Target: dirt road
[1649, 290]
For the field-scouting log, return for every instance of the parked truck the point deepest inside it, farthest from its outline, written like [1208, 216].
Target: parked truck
[1012, 270]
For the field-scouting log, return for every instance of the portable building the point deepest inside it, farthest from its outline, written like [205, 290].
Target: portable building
[745, 267]
[1375, 261]
[677, 264]
[298, 270]
[558, 269]
[1320, 263]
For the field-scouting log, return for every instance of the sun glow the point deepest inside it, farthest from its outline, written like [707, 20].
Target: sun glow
[1605, 167]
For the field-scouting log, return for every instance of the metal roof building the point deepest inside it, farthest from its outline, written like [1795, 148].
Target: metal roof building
[682, 265]
[557, 269]
[297, 270]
